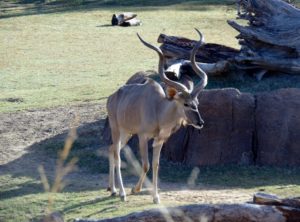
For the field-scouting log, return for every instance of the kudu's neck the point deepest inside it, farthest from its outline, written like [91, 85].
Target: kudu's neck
[170, 113]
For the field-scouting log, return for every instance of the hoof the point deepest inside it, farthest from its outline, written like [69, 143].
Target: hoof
[113, 194]
[156, 200]
[123, 198]
[133, 191]
[108, 189]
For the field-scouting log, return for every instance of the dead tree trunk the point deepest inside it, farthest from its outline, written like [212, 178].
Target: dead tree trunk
[213, 58]
[271, 41]
[180, 48]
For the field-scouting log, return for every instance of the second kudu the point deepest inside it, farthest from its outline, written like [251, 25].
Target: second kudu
[151, 112]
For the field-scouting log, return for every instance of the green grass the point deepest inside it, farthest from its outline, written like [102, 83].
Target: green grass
[58, 58]
[71, 204]
[281, 181]
[23, 199]
[86, 204]
[72, 56]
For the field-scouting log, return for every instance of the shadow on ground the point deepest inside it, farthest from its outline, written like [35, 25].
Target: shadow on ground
[45, 153]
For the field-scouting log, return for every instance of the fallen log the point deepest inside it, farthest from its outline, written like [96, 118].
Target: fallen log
[271, 40]
[268, 199]
[212, 58]
[183, 67]
[180, 48]
[290, 207]
[125, 19]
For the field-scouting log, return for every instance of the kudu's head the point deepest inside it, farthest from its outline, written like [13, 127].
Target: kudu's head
[185, 97]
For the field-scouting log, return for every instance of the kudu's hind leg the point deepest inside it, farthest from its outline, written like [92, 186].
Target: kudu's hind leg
[143, 142]
[112, 152]
[122, 142]
[112, 187]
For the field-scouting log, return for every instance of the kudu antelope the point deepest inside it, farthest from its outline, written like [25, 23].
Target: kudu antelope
[150, 112]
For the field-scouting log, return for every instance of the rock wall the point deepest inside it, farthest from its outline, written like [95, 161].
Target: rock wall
[240, 128]
[278, 128]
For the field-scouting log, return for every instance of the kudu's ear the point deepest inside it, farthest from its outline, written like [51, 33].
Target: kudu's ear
[171, 92]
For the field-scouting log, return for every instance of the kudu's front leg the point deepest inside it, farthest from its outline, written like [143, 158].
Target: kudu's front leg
[122, 142]
[157, 145]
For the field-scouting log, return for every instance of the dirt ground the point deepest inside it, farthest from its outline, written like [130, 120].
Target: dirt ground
[21, 151]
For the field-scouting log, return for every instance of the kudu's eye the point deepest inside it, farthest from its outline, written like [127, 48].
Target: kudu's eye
[186, 105]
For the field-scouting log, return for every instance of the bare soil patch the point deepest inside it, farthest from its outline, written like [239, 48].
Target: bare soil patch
[20, 130]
